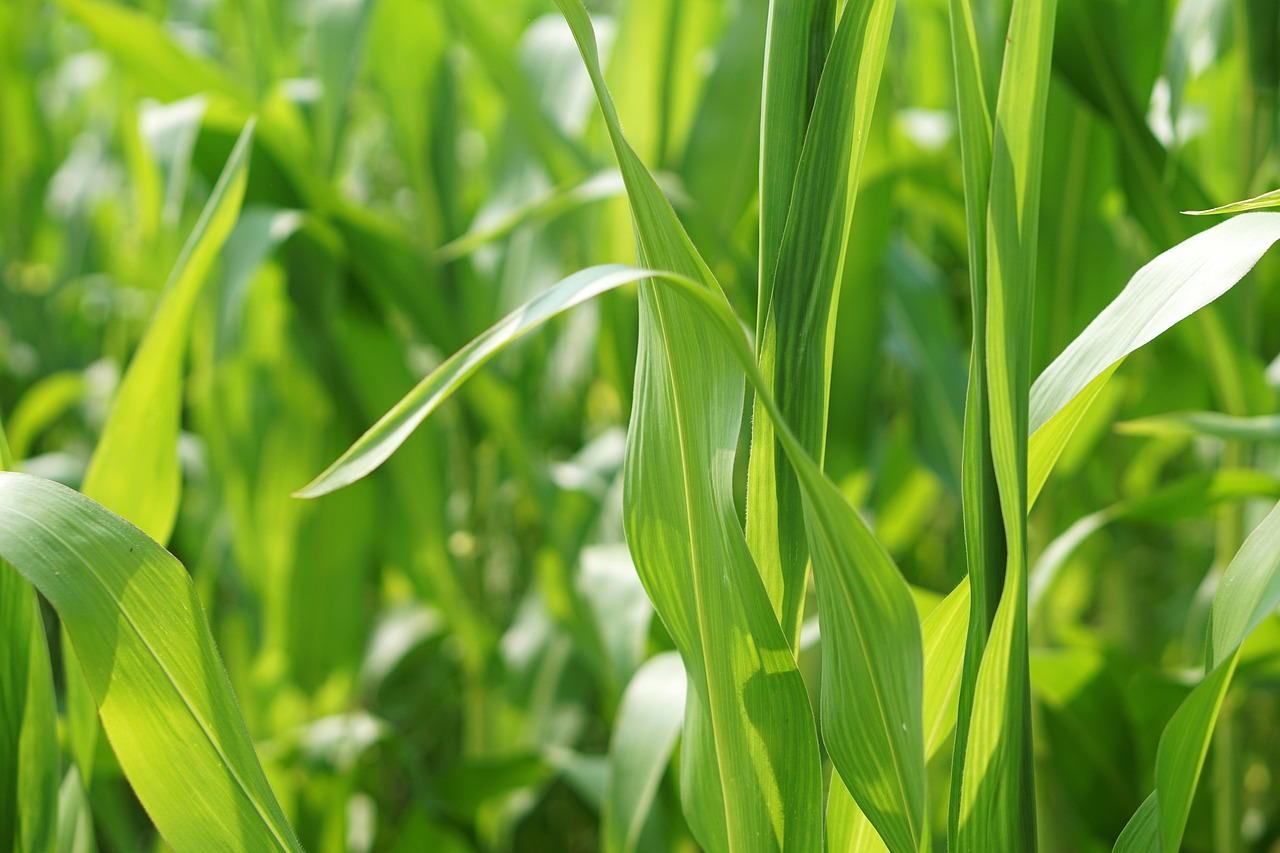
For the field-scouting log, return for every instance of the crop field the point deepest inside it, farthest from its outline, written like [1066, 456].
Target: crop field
[481, 426]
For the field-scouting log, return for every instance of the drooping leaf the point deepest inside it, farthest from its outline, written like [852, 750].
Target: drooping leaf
[142, 639]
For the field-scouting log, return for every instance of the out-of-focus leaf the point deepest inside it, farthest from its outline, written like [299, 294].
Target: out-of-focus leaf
[142, 639]
[644, 736]
[1212, 424]
[140, 43]
[1188, 498]
[1248, 592]
[42, 404]
[134, 470]
[75, 821]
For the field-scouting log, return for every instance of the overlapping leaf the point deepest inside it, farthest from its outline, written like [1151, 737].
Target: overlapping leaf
[142, 639]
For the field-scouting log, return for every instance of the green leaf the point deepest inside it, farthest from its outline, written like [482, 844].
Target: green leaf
[75, 821]
[976, 48]
[795, 346]
[141, 45]
[29, 757]
[1165, 291]
[682, 526]
[134, 470]
[750, 769]
[29, 754]
[997, 801]
[1209, 424]
[142, 639]
[1188, 498]
[1169, 288]
[871, 686]
[644, 736]
[1259, 202]
[1248, 592]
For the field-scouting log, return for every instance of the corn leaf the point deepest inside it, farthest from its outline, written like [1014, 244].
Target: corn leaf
[134, 470]
[1258, 202]
[872, 669]
[1166, 290]
[795, 347]
[1204, 424]
[142, 639]
[644, 736]
[997, 802]
[29, 756]
[1248, 592]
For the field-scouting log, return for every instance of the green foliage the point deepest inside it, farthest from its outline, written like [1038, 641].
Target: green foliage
[747, 528]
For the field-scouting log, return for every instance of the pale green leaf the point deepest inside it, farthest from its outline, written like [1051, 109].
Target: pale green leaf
[644, 736]
[1168, 289]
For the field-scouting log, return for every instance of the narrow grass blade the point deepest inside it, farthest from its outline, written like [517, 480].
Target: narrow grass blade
[145, 647]
[598, 187]
[134, 470]
[976, 51]
[796, 346]
[644, 737]
[798, 38]
[1260, 202]
[381, 440]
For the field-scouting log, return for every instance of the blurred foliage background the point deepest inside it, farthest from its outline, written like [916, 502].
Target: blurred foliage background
[436, 658]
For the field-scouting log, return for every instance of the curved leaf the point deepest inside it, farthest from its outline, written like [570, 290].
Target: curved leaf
[1168, 289]
[1248, 592]
[142, 639]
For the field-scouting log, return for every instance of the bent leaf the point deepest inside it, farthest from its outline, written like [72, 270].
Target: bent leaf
[147, 654]
[1168, 289]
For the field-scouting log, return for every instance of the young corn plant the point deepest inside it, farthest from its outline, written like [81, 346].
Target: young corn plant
[900, 682]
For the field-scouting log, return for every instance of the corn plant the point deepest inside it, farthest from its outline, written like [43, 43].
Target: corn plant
[926, 724]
